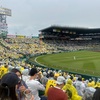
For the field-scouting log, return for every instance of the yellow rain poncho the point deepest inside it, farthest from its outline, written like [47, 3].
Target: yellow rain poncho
[3, 71]
[73, 92]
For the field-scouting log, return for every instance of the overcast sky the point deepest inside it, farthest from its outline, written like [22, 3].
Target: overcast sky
[29, 16]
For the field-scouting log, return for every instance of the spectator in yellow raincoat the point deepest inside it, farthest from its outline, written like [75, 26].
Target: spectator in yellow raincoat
[97, 85]
[3, 70]
[91, 83]
[71, 91]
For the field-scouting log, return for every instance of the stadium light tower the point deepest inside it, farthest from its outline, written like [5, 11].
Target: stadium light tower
[3, 24]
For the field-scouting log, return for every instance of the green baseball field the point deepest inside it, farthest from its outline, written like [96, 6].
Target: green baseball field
[84, 62]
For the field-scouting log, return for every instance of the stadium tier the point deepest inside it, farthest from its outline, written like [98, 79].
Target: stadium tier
[70, 33]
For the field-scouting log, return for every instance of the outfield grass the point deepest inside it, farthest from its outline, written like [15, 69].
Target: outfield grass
[84, 62]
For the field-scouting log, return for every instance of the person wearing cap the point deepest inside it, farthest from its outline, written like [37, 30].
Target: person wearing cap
[33, 84]
[44, 79]
[56, 93]
[8, 86]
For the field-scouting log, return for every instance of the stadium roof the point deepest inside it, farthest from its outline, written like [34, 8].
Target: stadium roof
[75, 29]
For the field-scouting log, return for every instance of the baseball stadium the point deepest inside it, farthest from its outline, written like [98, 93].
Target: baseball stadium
[73, 49]
[62, 59]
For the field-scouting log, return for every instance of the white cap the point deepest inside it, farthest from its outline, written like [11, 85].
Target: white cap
[60, 80]
[44, 73]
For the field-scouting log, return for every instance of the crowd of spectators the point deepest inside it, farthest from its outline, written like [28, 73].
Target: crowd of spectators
[22, 81]
[38, 83]
[72, 45]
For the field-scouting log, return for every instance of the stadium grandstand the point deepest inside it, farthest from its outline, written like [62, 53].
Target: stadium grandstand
[70, 33]
[76, 37]
[20, 53]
